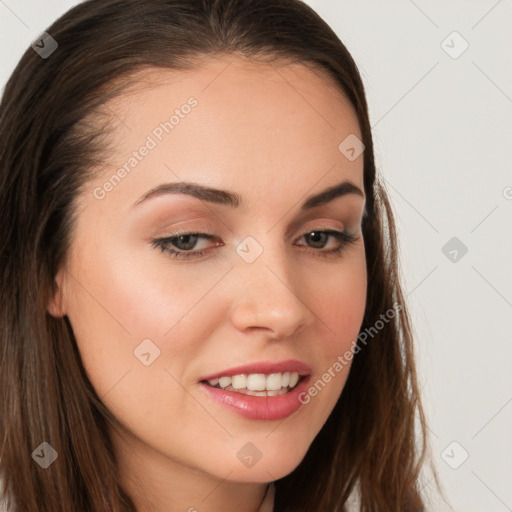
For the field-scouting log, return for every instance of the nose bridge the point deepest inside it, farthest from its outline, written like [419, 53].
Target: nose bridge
[267, 293]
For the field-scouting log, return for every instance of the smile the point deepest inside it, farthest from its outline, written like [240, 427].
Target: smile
[264, 390]
[257, 384]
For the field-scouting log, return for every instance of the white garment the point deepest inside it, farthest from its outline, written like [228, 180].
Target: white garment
[268, 501]
[267, 504]
[352, 505]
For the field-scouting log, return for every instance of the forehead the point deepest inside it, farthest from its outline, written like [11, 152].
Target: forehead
[252, 126]
[239, 92]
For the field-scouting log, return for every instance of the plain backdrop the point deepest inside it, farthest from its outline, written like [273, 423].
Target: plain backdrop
[438, 76]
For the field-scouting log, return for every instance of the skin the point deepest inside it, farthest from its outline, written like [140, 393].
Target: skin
[269, 133]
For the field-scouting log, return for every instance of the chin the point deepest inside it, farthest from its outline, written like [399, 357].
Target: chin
[264, 461]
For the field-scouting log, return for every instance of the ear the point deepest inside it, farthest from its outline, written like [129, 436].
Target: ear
[56, 303]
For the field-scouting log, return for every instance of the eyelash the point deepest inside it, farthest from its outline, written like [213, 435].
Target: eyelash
[163, 244]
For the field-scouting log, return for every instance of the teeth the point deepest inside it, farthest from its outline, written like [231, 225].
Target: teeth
[256, 381]
[224, 382]
[239, 381]
[258, 384]
[281, 391]
[274, 382]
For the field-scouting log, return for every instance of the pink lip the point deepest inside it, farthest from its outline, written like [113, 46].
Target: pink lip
[267, 368]
[260, 407]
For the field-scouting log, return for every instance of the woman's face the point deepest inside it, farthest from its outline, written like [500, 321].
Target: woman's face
[262, 285]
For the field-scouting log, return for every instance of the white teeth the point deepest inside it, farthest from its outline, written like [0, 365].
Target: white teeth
[239, 381]
[274, 382]
[224, 382]
[278, 392]
[256, 381]
[258, 384]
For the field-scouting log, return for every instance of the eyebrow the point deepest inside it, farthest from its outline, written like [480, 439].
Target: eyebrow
[234, 200]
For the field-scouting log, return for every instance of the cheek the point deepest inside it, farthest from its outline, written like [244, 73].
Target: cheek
[152, 293]
[126, 313]
[127, 298]
[338, 297]
[340, 305]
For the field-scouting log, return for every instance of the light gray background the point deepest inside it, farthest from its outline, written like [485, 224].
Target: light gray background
[442, 138]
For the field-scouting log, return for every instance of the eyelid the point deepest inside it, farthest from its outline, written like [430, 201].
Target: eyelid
[344, 238]
[207, 229]
[211, 231]
[324, 225]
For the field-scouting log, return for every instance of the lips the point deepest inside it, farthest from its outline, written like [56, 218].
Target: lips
[280, 385]
[267, 368]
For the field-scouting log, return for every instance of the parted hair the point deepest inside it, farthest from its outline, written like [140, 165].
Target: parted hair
[51, 139]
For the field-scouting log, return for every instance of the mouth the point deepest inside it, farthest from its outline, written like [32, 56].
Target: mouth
[257, 384]
[260, 391]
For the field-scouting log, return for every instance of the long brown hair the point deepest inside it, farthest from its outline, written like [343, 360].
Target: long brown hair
[51, 139]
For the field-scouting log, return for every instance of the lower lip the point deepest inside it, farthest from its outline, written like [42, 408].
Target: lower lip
[260, 407]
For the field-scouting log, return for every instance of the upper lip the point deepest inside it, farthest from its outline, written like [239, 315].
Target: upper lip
[290, 365]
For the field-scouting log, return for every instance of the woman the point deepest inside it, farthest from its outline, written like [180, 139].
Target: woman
[201, 307]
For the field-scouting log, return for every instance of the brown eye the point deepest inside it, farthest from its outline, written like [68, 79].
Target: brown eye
[181, 245]
[184, 242]
[317, 239]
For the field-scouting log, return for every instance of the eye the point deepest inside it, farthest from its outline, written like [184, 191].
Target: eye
[186, 242]
[318, 239]
[181, 245]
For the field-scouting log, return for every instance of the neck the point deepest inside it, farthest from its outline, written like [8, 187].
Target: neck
[157, 483]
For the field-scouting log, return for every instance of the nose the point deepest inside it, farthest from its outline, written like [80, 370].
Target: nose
[269, 297]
